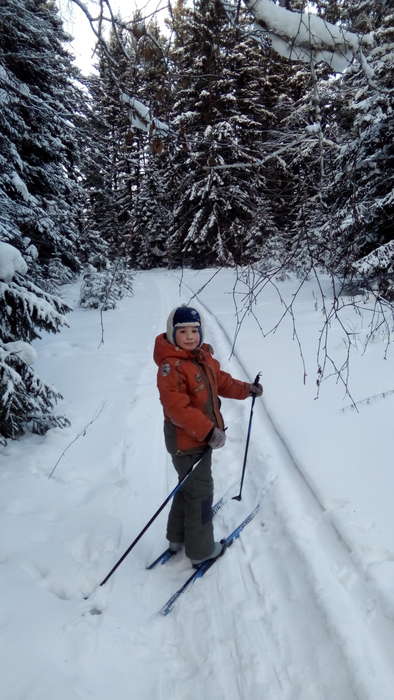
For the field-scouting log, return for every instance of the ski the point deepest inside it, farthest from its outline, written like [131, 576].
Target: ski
[203, 568]
[168, 553]
[162, 558]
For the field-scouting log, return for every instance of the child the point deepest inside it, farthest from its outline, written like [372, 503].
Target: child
[189, 380]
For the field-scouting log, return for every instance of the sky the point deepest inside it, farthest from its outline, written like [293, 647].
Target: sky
[77, 25]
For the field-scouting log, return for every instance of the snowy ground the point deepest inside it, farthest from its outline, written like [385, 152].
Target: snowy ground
[301, 607]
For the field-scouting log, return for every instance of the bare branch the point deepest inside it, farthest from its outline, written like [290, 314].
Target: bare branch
[80, 434]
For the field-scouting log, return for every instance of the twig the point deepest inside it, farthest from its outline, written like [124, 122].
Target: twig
[81, 434]
[367, 400]
[104, 302]
[204, 285]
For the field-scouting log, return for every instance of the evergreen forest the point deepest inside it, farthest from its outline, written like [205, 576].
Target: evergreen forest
[191, 144]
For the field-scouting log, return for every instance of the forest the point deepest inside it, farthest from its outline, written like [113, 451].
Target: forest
[201, 145]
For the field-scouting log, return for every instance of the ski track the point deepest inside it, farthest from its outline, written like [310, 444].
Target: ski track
[267, 621]
[316, 641]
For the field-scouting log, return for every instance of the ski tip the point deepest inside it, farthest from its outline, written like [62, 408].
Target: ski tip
[236, 498]
[161, 559]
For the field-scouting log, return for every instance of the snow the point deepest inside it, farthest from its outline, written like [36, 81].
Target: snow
[304, 36]
[11, 261]
[32, 251]
[20, 187]
[24, 350]
[382, 257]
[313, 128]
[141, 116]
[301, 606]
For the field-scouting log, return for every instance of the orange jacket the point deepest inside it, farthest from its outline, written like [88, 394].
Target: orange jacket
[189, 384]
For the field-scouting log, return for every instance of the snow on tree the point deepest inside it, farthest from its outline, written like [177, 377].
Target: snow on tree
[150, 105]
[224, 102]
[122, 172]
[11, 261]
[151, 213]
[113, 164]
[101, 289]
[304, 36]
[152, 217]
[40, 200]
[378, 266]
[39, 133]
[336, 147]
[358, 196]
[26, 402]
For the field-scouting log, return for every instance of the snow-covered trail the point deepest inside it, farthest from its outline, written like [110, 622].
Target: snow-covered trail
[286, 614]
[324, 613]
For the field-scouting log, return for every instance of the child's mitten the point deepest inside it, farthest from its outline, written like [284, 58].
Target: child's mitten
[217, 438]
[255, 389]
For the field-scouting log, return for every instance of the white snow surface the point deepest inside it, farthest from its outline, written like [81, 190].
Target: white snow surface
[301, 607]
[11, 261]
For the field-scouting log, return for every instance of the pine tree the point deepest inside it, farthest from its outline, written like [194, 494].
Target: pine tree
[26, 402]
[358, 230]
[101, 289]
[151, 215]
[111, 169]
[132, 67]
[223, 106]
[306, 138]
[340, 156]
[39, 131]
[39, 202]
[151, 219]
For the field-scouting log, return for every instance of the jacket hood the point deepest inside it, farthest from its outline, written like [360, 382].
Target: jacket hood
[165, 350]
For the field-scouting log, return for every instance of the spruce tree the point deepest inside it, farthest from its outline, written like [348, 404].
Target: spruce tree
[39, 202]
[151, 218]
[39, 138]
[339, 159]
[26, 402]
[223, 106]
[358, 230]
[151, 214]
[131, 67]
[111, 169]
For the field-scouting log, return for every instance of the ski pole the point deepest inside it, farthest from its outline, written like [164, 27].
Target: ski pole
[238, 498]
[144, 529]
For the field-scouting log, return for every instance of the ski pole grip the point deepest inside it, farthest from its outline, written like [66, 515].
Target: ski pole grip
[256, 381]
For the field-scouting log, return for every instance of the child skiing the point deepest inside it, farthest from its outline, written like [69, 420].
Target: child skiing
[190, 381]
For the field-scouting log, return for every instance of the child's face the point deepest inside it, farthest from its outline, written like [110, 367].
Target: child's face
[187, 337]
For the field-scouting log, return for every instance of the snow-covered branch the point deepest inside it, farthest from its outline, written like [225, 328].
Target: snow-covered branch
[11, 262]
[141, 116]
[310, 135]
[303, 36]
[382, 258]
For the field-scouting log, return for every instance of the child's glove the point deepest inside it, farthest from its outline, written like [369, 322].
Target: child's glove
[216, 438]
[255, 389]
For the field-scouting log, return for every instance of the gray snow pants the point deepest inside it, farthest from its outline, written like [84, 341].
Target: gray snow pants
[190, 518]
